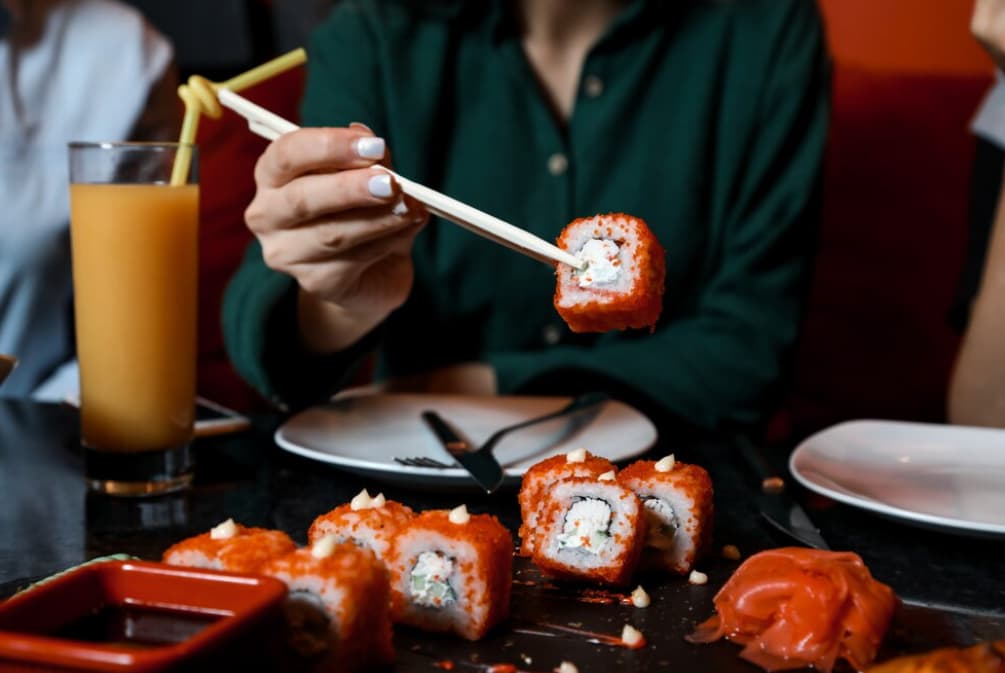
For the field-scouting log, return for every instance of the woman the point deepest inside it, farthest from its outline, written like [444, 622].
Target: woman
[977, 388]
[706, 119]
[69, 70]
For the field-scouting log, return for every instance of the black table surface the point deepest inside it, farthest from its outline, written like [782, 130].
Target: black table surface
[48, 522]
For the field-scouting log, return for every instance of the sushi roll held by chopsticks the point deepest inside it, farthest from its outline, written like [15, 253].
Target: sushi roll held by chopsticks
[451, 571]
[622, 283]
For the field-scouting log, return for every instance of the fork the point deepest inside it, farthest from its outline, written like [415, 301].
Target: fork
[578, 404]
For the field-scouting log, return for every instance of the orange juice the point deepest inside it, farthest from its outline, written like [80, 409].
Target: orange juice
[134, 278]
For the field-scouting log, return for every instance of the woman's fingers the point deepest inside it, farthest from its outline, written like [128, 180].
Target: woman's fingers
[309, 150]
[337, 236]
[348, 279]
[311, 197]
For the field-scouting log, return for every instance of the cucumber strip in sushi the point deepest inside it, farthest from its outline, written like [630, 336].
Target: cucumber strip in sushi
[593, 529]
[678, 502]
[451, 571]
[623, 283]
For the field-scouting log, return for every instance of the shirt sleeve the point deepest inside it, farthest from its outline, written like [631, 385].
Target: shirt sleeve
[259, 311]
[721, 361]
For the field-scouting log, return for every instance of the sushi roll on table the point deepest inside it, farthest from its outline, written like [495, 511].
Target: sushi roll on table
[368, 522]
[336, 613]
[592, 529]
[230, 546]
[678, 503]
[623, 282]
[451, 571]
[541, 477]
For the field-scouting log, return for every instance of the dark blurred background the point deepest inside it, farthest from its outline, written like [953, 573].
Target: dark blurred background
[221, 38]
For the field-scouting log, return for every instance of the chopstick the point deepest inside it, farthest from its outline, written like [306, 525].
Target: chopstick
[270, 126]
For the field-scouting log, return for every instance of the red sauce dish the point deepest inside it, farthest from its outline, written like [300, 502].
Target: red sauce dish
[135, 616]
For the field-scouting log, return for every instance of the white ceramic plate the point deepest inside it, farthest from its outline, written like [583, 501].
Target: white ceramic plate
[941, 476]
[364, 433]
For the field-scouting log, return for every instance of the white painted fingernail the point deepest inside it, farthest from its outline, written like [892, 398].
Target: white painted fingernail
[380, 186]
[400, 208]
[369, 147]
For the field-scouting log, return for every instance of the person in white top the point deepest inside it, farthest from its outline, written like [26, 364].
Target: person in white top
[70, 70]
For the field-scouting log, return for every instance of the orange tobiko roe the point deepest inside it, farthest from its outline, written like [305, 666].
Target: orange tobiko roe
[538, 479]
[794, 607]
[638, 306]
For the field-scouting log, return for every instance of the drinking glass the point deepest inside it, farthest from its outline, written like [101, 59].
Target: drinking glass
[134, 241]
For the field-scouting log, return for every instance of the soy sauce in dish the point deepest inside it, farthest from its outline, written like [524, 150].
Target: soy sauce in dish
[137, 626]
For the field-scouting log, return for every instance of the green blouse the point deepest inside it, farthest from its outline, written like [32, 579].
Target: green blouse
[705, 118]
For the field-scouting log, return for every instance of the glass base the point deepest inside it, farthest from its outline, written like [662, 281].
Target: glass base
[141, 474]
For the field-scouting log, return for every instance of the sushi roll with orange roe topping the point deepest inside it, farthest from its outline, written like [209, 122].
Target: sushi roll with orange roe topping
[593, 529]
[230, 546]
[336, 612]
[370, 523]
[623, 282]
[677, 498]
[451, 571]
[540, 477]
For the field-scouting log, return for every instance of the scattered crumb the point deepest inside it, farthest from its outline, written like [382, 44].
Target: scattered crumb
[731, 552]
[697, 577]
[526, 660]
[567, 667]
[640, 598]
[631, 636]
[575, 625]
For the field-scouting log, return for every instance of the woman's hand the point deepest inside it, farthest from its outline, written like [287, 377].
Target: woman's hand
[988, 26]
[327, 216]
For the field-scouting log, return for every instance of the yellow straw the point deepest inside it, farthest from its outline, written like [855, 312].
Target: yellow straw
[199, 96]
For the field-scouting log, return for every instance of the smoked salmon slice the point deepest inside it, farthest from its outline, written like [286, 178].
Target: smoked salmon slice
[794, 607]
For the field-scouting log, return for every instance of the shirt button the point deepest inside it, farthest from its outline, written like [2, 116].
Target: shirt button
[551, 334]
[558, 164]
[593, 86]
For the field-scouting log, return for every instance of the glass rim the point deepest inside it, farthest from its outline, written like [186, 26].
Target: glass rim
[128, 144]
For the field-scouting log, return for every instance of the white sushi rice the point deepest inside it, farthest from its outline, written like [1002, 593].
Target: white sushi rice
[415, 550]
[367, 535]
[604, 506]
[673, 531]
[609, 247]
